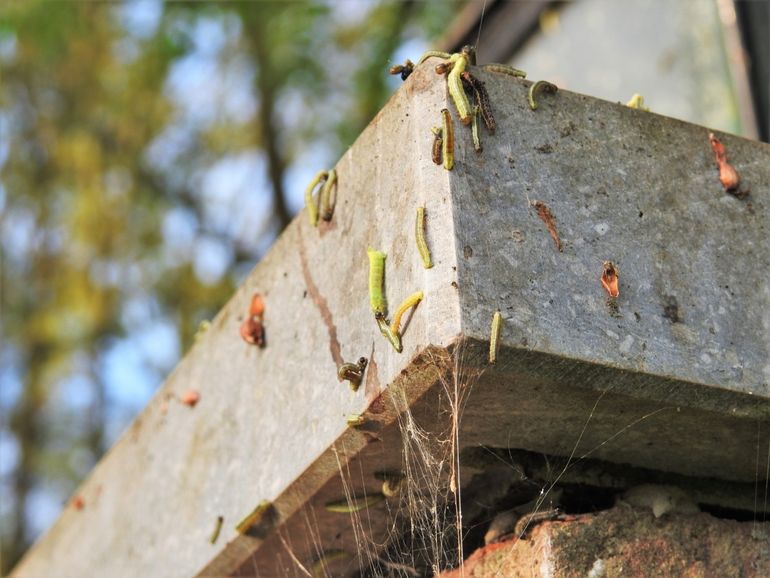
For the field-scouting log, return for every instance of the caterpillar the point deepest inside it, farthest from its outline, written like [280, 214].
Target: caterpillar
[540, 86]
[504, 69]
[327, 209]
[448, 145]
[433, 53]
[391, 481]
[327, 557]
[412, 301]
[392, 337]
[459, 62]
[217, 529]
[438, 144]
[355, 504]
[494, 338]
[475, 130]
[482, 99]
[419, 235]
[353, 372]
[376, 279]
[355, 420]
[264, 508]
[312, 208]
[637, 101]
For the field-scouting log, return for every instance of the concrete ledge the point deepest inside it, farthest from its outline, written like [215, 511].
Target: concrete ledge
[676, 378]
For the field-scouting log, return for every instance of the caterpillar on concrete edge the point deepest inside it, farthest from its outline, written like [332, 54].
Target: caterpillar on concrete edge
[419, 235]
[494, 338]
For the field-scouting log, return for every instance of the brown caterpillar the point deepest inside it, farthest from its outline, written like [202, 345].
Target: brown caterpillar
[438, 144]
[448, 148]
[545, 215]
[482, 99]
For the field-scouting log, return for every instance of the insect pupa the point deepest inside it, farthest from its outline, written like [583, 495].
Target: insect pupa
[376, 279]
[392, 337]
[252, 331]
[504, 69]
[312, 208]
[353, 372]
[545, 215]
[443, 68]
[190, 398]
[419, 235]
[728, 176]
[448, 145]
[355, 504]
[481, 95]
[610, 279]
[537, 88]
[412, 301]
[494, 338]
[327, 208]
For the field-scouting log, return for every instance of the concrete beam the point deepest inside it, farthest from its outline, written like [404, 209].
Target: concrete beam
[675, 377]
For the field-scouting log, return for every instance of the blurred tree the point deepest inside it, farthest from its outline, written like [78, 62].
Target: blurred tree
[147, 153]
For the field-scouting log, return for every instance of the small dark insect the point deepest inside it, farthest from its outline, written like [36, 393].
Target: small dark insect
[610, 279]
[545, 215]
[353, 372]
[476, 87]
[252, 330]
[403, 69]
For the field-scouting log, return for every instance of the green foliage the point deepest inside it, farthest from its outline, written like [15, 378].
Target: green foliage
[105, 152]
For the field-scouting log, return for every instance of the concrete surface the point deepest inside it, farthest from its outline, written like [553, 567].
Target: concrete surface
[676, 378]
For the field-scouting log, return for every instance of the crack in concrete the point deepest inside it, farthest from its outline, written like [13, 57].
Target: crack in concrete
[321, 304]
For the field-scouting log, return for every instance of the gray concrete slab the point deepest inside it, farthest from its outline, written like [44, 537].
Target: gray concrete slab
[675, 379]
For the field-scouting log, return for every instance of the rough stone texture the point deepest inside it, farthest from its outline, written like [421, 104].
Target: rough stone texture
[624, 541]
[676, 380]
